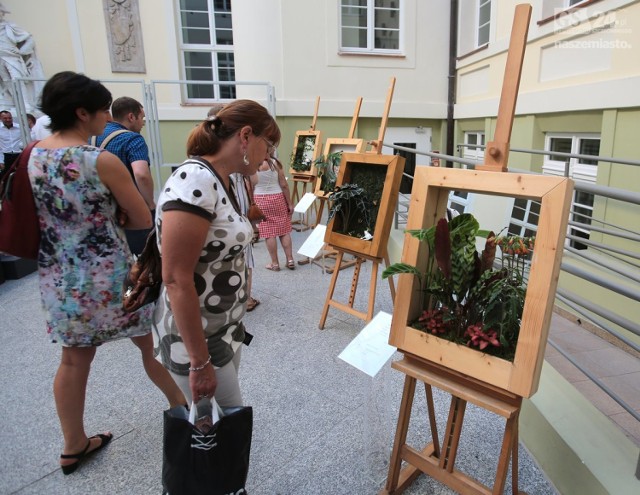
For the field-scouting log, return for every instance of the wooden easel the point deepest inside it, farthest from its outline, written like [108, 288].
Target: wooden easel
[348, 308]
[359, 257]
[301, 181]
[328, 253]
[352, 131]
[438, 461]
[435, 460]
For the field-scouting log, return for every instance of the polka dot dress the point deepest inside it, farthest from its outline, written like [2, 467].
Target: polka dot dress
[220, 275]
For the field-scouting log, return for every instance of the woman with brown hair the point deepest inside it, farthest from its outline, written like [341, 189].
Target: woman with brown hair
[271, 193]
[81, 194]
[202, 234]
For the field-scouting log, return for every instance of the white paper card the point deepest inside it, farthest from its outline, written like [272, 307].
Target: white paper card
[370, 350]
[314, 243]
[305, 202]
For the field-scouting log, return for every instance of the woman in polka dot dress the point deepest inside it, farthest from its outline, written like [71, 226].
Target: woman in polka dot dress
[202, 234]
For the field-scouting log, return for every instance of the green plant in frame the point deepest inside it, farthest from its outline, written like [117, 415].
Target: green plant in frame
[327, 167]
[372, 180]
[466, 299]
[301, 157]
[353, 207]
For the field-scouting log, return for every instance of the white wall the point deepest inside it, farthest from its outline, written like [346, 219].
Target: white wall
[294, 44]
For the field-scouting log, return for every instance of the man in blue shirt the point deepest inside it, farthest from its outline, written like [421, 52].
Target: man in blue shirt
[122, 138]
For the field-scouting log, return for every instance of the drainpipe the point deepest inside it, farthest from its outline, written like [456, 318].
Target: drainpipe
[451, 94]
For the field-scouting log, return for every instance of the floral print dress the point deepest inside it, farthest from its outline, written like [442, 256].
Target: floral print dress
[83, 255]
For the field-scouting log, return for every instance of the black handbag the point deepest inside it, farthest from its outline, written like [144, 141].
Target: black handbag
[142, 283]
[211, 463]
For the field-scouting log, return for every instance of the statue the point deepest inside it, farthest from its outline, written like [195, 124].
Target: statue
[122, 26]
[18, 60]
[124, 34]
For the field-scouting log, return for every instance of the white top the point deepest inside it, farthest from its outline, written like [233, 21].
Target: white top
[10, 140]
[268, 183]
[39, 130]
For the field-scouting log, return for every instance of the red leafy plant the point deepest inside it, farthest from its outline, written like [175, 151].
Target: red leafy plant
[471, 298]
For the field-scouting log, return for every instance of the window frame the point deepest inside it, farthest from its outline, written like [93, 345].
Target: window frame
[213, 49]
[479, 26]
[474, 153]
[576, 170]
[371, 28]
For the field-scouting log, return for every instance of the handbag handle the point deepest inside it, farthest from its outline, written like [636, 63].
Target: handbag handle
[249, 187]
[216, 410]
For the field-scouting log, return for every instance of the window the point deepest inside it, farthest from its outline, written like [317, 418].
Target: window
[525, 213]
[206, 46]
[524, 217]
[471, 152]
[370, 26]
[484, 22]
[406, 184]
[577, 168]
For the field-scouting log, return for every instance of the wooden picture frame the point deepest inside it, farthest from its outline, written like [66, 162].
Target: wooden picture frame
[431, 187]
[312, 153]
[334, 145]
[390, 168]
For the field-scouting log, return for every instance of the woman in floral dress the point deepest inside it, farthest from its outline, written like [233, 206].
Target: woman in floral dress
[84, 197]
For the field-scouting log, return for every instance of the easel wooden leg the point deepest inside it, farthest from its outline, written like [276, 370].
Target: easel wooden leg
[332, 287]
[372, 290]
[303, 223]
[508, 452]
[392, 287]
[401, 437]
[514, 462]
[452, 433]
[320, 210]
[354, 281]
[432, 419]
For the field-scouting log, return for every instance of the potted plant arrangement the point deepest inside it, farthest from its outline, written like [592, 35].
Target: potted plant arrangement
[468, 298]
[353, 207]
[306, 149]
[326, 170]
[479, 299]
[362, 203]
[301, 156]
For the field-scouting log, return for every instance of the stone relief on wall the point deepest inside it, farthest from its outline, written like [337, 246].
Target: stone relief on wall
[126, 51]
[18, 60]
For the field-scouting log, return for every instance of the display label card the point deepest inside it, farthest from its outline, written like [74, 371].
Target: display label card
[305, 202]
[314, 243]
[370, 350]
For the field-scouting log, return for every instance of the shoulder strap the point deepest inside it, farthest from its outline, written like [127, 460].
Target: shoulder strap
[249, 187]
[108, 139]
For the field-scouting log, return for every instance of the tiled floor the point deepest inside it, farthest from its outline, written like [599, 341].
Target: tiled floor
[617, 369]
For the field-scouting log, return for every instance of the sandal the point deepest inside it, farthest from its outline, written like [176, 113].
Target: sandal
[70, 468]
[291, 265]
[252, 303]
[274, 267]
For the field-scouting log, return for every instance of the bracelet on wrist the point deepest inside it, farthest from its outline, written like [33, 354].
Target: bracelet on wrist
[202, 366]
